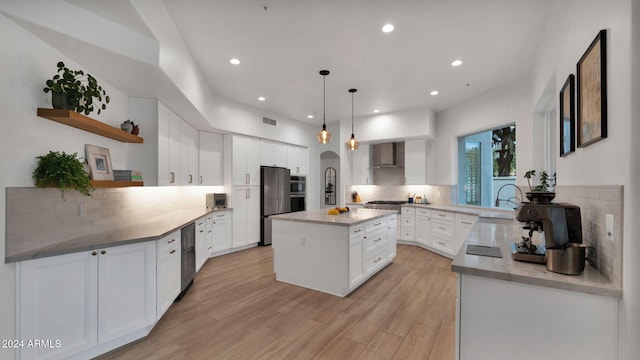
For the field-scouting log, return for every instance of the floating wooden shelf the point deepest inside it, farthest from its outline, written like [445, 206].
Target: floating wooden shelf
[115, 183]
[79, 121]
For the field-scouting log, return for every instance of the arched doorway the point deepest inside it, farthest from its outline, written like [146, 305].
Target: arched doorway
[330, 191]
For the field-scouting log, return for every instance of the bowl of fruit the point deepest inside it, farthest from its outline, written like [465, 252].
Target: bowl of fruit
[337, 210]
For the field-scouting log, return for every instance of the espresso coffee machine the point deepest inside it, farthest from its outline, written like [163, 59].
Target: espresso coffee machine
[558, 224]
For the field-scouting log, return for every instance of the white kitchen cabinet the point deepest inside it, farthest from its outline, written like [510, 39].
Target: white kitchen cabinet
[177, 149]
[464, 223]
[91, 301]
[391, 234]
[201, 243]
[222, 237]
[361, 172]
[246, 216]
[126, 289]
[58, 299]
[415, 162]
[356, 254]
[298, 159]
[168, 271]
[273, 153]
[211, 158]
[423, 226]
[407, 225]
[245, 160]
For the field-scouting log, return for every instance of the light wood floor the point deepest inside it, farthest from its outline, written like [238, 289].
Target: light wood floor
[236, 310]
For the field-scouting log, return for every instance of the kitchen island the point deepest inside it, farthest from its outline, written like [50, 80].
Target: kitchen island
[332, 253]
[508, 309]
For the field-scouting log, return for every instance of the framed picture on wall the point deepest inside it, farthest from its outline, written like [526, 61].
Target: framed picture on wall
[99, 160]
[567, 117]
[592, 92]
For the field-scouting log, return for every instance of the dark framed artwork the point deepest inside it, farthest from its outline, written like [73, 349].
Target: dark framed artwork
[567, 117]
[592, 92]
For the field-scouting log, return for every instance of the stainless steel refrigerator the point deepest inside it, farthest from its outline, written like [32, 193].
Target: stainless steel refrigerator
[275, 193]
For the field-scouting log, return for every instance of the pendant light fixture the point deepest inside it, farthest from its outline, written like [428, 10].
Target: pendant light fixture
[352, 144]
[324, 136]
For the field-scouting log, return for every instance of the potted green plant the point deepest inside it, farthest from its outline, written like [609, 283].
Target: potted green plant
[75, 90]
[544, 191]
[63, 171]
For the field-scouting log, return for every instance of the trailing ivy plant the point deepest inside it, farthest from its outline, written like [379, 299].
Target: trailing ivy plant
[63, 171]
[82, 90]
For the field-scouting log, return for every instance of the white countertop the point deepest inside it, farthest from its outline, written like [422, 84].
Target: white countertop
[353, 217]
[505, 268]
[480, 212]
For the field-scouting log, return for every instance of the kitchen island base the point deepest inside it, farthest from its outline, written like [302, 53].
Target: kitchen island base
[332, 258]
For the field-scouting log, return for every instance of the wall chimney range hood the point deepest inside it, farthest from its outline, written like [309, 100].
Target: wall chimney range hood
[386, 155]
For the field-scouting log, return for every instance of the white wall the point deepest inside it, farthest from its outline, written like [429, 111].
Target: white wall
[508, 104]
[571, 28]
[28, 64]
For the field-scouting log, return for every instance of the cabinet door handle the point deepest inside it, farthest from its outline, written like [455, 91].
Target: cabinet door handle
[378, 259]
[219, 215]
[441, 243]
[190, 179]
[171, 241]
[466, 222]
[442, 215]
[94, 253]
[172, 252]
[200, 179]
[377, 224]
[442, 228]
[378, 239]
[103, 252]
[201, 231]
[357, 231]
[172, 177]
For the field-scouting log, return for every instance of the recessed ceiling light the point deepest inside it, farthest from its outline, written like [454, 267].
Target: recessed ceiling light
[235, 61]
[309, 116]
[376, 111]
[387, 28]
[262, 98]
[434, 92]
[457, 62]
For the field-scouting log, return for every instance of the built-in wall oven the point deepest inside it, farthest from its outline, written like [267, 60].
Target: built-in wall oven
[298, 193]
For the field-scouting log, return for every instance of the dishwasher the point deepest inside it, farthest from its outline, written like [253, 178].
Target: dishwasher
[188, 261]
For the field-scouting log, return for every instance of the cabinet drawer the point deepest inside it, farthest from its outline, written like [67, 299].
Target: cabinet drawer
[423, 212]
[393, 219]
[442, 243]
[408, 221]
[169, 242]
[376, 224]
[408, 234]
[407, 210]
[375, 240]
[443, 215]
[444, 228]
[466, 220]
[376, 259]
[217, 216]
[356, 231]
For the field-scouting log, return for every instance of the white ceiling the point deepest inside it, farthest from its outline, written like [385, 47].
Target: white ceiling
[282, 49]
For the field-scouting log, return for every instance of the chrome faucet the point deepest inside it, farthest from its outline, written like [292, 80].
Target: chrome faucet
[510, 198]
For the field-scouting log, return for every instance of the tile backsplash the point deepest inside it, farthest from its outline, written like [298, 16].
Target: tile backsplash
[39, 217]
[436, 194]
[595, 203]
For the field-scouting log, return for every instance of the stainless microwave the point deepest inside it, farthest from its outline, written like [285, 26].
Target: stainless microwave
[217, 201]
[298, 185]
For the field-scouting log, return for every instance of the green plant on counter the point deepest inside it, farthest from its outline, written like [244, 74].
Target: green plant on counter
[80, 89]
[63, 171]
[547, 183]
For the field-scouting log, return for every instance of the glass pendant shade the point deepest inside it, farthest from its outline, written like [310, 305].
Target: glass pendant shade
[324, 136]
[352, 144]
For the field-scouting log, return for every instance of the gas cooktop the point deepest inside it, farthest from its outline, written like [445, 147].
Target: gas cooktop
[387, 202]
